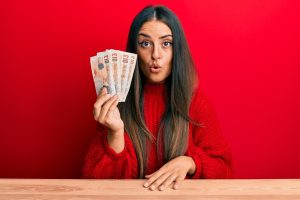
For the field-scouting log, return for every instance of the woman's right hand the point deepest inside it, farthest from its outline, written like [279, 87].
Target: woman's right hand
[107, 113]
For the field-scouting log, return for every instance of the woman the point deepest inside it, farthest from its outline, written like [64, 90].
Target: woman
[166, 130]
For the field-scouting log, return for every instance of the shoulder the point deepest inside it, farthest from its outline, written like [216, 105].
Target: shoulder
[200, 100]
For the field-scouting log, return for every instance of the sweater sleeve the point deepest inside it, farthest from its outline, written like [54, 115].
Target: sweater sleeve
[207, 146]
[103, 162]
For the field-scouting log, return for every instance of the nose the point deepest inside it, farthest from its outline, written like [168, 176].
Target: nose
[156, 53]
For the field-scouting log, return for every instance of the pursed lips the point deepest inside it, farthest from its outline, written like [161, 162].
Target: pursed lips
[154, 68]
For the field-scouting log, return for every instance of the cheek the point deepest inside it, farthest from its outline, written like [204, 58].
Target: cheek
[143, 56]
[142, 61]
[169, 58]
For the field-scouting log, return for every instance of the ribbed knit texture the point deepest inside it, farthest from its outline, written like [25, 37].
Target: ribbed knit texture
[206, 144]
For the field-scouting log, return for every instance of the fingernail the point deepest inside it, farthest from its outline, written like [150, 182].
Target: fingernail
[152, 187]
[146, 184]
[176, 187]
[161, 187]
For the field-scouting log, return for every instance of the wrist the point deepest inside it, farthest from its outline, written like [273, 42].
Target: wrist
[192, 165]
[116, 133]
[115, 140]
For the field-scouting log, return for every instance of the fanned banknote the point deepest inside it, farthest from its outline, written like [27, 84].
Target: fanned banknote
[113, 69]
[99, 71]
[128, 74]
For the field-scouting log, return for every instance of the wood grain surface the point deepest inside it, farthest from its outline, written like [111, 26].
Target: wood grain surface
[54, 189]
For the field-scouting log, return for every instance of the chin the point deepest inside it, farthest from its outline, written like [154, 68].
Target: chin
[155, 81]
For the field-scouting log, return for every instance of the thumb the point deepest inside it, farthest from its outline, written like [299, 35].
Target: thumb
[103, 90]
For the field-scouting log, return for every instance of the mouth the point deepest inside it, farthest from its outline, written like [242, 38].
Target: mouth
[154, 68]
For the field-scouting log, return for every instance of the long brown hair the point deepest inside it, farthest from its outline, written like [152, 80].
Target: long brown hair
[173, 131]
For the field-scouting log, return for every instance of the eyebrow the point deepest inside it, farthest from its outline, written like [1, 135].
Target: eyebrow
[161, 37]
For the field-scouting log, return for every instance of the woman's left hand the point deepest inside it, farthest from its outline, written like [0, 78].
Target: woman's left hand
[173, 171]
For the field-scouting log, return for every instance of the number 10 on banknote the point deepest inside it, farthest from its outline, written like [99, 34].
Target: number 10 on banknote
[113, 69]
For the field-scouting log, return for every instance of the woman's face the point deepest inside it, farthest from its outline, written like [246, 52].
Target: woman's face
[155, 51]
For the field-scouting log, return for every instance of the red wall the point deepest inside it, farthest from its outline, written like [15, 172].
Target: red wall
[247, 54]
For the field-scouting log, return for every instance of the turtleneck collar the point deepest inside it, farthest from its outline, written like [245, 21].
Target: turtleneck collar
[155, 88]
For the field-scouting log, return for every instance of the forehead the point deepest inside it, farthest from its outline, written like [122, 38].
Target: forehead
[155, 28]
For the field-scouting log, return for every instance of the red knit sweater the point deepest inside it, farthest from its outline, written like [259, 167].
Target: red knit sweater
[206, 145]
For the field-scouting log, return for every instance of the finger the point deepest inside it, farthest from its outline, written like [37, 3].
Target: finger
[146, 184]
[103, 91]
[101, 99]
[168, 182]
[149, 175]
[159, 182]
[98, 105]
[153, 178]
[105, 108]
[112, 108]
[178, 180]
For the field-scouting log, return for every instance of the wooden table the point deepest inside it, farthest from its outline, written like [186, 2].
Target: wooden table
[50, 189]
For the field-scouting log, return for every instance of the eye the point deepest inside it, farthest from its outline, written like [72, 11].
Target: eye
[167, 44]
[144, 44]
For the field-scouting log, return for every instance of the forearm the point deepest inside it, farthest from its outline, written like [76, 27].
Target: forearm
[102, 161]
[116, 140]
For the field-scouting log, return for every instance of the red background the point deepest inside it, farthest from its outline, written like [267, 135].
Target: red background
[247, 54]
